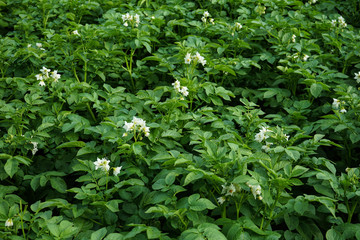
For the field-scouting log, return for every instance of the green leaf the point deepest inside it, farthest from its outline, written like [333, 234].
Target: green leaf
[153, 233]
[192, 176]
[54, 229]
[11, 167]
[72, 144]
[66, 229]
[293, 154]
[99, 234]
[300, 206]
[114, 236]
[316, 89]
[332, 234]
[298, 171]
[200, 204]
[58, 184]
[225, 68]
[23, 160]
[5, 156]
[113, 205]
[292, 222]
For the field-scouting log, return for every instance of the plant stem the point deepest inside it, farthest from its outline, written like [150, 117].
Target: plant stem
[273, 207]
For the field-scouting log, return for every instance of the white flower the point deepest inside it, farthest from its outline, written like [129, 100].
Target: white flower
[203, 19]
[137, 124]
[128, 126]
[152, 17]
[45, 72]
[125, 17]
[200, 58]
[293, 38]
[255, 190]
[9, 222]
[184, 91]
[75, 32]
[55, 76]
[230, 190]
[206, 14]
[312, 1]
[147, 131]
[261, 136]
[357, 77]
[286, 137]
[343, 110]
[117, 170]
[176, 85]
[35, 149]
[211, 20]
[266, 147]
[137, 18]
[221, 200]
[342, 22]
[42, 83]
[187, 58]
[333, 23]
[336, 103]
[39, 77]
[29, 45]
[238, 26]
[102, 164]
[39, 45]
[306, 57]
[133, 19]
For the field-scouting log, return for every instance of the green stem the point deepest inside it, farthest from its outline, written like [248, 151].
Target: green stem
[91, 112]
[350, 214]
[85, 71]
[223, 213]
[75, 74]
[21, 220]
[273, 207]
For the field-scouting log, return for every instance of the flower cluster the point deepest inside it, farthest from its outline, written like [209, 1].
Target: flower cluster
[305, 57]
[103, 164]
[255, 190]
[196, 58]
[357, 77]
[35, 149]
[336, 105]
[341, 22]
[132, 19]
[267, 146]
[9, 222]
[38, 45]
[293, 38]
[228, 191]
[260, 9]
[238, 26]
[205, 16]
[47, 74]
[312, 1]
[262, 134]
[75, 32]
[136, 125]
[183, 90]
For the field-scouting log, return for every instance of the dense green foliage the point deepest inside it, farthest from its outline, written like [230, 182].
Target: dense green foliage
[176, 119]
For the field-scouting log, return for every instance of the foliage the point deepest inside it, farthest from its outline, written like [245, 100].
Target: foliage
[179, 119]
